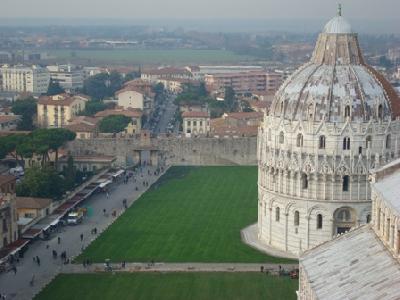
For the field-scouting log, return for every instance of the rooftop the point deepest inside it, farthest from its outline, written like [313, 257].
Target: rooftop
[61, 99]
[355, 265]
[389, 189]
[115, 112]
[195, 114]
[31, 202]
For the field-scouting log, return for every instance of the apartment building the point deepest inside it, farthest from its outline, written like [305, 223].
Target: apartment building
[69, 77]
[8, 212]
[23, 79]
[196, 123]
[57, 111]
[243, 82]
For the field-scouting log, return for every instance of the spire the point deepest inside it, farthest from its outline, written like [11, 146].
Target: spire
[339, 10]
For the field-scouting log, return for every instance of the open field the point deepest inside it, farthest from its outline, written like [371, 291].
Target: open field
[174, 286]
[192, 214]
[150, 57]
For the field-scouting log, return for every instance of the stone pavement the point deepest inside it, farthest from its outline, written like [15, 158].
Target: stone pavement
[18, 286]
[250, 237]
[179, 267]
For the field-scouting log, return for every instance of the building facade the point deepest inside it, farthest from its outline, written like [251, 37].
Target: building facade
[8, 211]
[68, 77]
[332, 121]
[22, 79]
[196, 123]
[363, 263]
[58, 111]
[243, 82]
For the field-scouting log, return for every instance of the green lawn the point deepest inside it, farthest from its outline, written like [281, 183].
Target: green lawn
[193, 214]
[174, 286]
[179, 56]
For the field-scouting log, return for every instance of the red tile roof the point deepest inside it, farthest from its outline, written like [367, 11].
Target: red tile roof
[62, 99]
[32, 202]
[195, 114]
[115, 112]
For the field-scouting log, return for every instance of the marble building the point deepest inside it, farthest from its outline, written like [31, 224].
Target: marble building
[332, 121]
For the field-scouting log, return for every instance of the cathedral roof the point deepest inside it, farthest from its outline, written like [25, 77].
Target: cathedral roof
[335, 78]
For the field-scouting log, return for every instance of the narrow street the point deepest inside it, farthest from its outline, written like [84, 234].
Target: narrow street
[17, 286]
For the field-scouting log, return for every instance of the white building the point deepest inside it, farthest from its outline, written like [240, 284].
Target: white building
[22, 79]
[332, 121]
[363, 263]
[196, 123]
[69, 77]
[130, 98]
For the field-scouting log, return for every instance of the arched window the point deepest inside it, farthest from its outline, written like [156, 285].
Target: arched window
[319, 221]
[368, 218]
[277, 214]
[388, 141]
[343, 215]
[296, 218]
[304, 181]
[281, 138]
[359, 150]
[380, 112]
[368, 142]
[299, 141]
[346, 143]
[345, 186]
[347, 111]
[322, 142]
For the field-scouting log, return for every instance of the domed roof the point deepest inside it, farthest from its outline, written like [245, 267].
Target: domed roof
[336, 83]
[338, 25]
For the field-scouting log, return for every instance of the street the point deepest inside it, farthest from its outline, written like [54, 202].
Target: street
[17, 286]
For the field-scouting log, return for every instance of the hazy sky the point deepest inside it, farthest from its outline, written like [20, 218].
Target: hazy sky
[169, 9]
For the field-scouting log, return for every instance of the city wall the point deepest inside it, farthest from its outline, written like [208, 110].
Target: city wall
[172, 151]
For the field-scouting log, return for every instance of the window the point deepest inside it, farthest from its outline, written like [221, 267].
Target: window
[296, 218]
[343, 215]
[319, 221]
[188, 123]
[277, 214]
[368, 142]
[281, 138]
[368, 218]
[359, 150]
[345, 186]
[322, 142]
[194, 123]
[299, 141]
[388, 141]
[304, 181]
[346, 143]
[347, 111]
[201, 123]
[380, 112]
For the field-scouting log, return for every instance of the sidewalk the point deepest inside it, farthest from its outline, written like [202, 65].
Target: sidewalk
[17, 286]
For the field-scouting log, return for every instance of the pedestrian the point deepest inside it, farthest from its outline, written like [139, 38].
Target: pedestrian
[107, 195]
[123, 265]
[104, 211]
[34, 259]
[47, 246]
[38, 260]
[262, 269]
[95, 230]
[32, 280]
[81, 237]
[59, 240]
[15, 270]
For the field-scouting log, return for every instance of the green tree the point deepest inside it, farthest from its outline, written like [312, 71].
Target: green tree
[114, 124]
[230, 100]
[70, 172]
[93, 107]
[27, 109]
[54, 88]
[41, 182]
[96, 86]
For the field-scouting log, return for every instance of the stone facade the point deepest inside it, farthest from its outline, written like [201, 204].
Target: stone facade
[329, 124]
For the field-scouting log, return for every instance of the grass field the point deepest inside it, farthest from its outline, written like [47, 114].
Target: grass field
[189, 215]
[174, 286]
[180, 56]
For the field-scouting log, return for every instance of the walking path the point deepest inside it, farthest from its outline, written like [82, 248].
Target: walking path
[17, 286]
[179, 267]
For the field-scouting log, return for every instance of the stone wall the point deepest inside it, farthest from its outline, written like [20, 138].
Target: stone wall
[175, 151]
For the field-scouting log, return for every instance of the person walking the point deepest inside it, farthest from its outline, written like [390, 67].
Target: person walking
[38, 260]
[59, 240]
[81, 237]
[104, 211]
[15, 270]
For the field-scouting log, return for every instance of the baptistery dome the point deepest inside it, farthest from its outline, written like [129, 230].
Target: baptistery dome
[331, 122]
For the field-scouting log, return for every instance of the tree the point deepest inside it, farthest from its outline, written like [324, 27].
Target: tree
[230, 99]
[114, 124]
[103, 85]
[41, 182]
[93, 107]
[54, 88]
[70, 172]
[27, 109]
